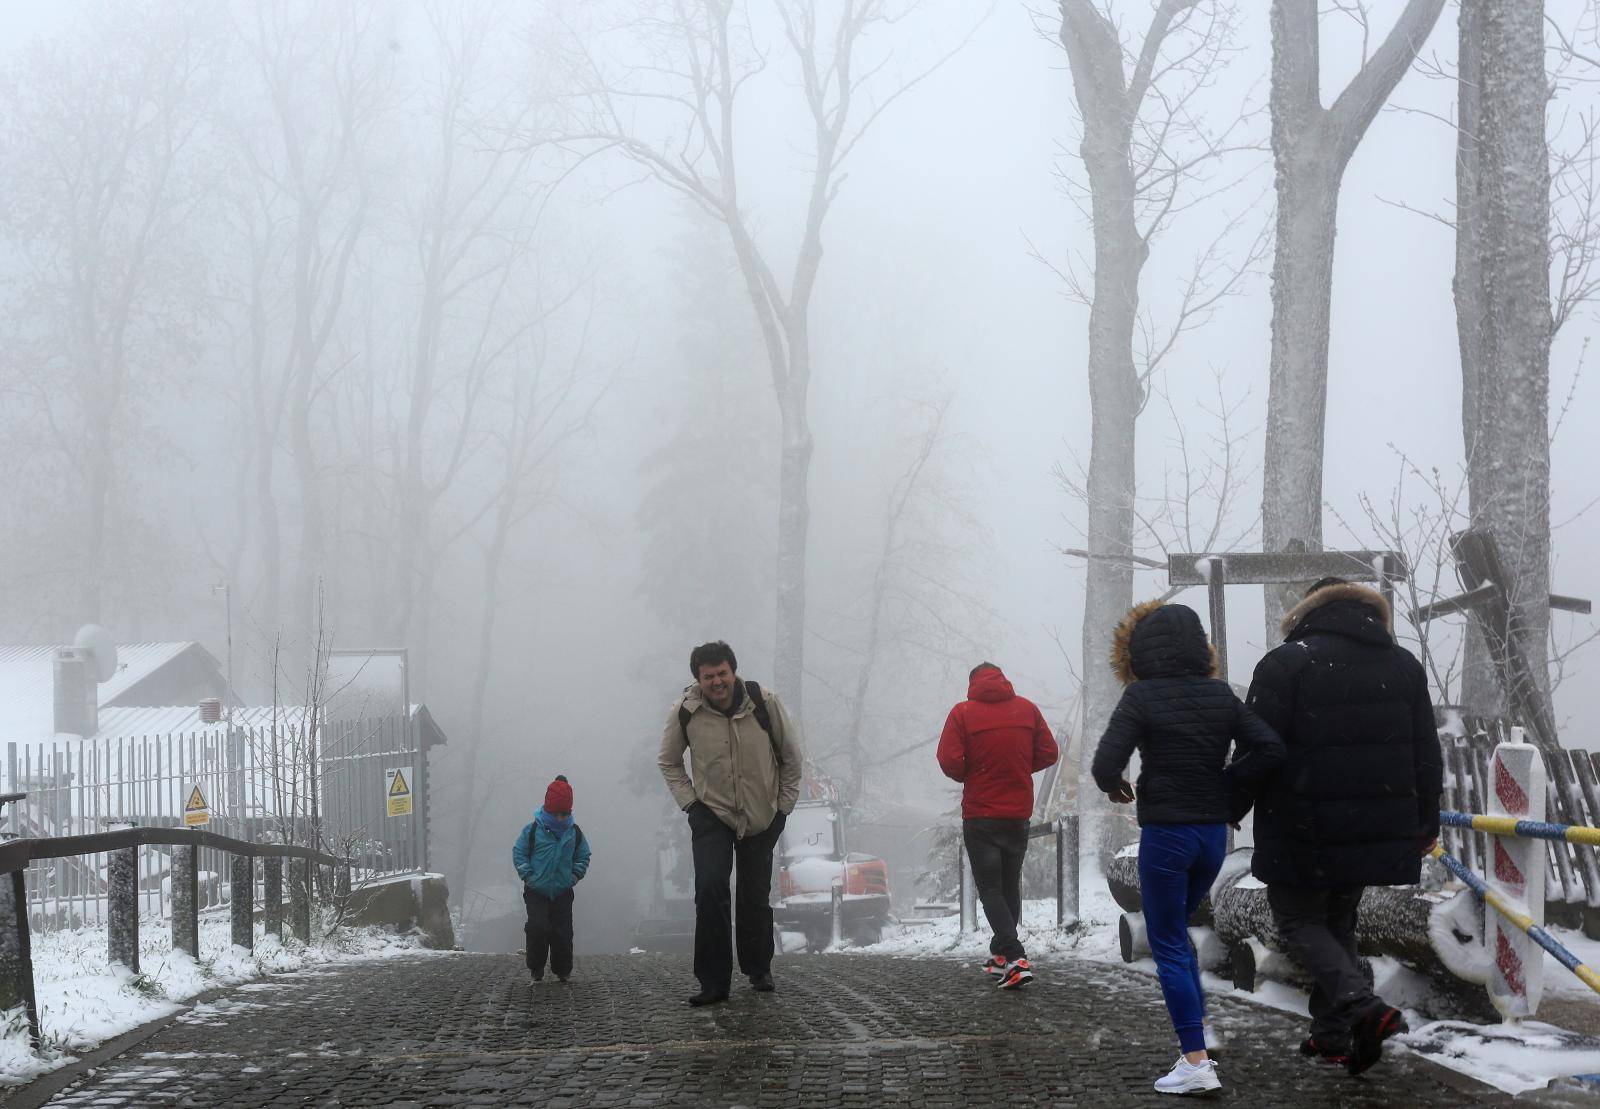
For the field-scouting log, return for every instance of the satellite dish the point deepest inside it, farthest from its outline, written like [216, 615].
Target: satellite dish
[101, 646]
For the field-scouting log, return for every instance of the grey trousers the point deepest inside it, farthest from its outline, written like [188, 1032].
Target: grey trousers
[1320, 928]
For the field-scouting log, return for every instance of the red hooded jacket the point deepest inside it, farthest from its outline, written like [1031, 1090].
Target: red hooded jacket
[993, 744]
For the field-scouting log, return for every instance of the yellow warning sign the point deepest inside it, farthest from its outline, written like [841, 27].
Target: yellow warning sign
[397, 790]
[195, 811]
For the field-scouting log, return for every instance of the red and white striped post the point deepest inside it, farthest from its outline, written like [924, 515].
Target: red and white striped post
[1516, 872]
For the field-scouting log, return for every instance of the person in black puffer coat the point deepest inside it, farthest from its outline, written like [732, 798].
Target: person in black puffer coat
[1355, 805]
[1182, 719]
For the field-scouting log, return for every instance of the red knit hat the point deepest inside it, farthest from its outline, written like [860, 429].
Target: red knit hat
[558, 798]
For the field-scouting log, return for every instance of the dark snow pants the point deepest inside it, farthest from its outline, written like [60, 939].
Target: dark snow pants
[996, 849]
[549, 931]
[1319, 926]
[720, 925]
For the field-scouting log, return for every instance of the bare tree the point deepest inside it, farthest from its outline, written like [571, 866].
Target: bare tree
[1148, 155]
[102, 188]
[324, 71]
[1311, 147]
[703, 54]
[472, 223]
[545, 407]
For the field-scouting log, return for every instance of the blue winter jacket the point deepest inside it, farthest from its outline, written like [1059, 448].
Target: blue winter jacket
[551, 855]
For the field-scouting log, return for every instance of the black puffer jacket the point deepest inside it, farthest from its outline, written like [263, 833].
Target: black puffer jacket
[1358, 797]
[1182, 719]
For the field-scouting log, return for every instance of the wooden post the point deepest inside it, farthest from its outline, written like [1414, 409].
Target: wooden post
[272, 894]
[16, 954]
[1216, 574]
[969, 893]
[242, 879]
[300, 899]
[185, 902]
[122, 915]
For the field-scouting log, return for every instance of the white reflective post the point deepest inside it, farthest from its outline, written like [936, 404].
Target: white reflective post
[1516, 871]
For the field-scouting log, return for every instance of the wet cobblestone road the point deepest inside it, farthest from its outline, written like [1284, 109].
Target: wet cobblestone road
[842, 1030]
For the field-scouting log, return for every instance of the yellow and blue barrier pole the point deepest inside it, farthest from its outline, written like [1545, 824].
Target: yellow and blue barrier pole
[1586, 974]
[1522, 829]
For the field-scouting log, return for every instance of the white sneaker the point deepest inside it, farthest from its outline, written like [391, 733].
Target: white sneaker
[1190, 1078]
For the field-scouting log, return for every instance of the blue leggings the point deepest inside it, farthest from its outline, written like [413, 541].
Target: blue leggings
[1177, 864]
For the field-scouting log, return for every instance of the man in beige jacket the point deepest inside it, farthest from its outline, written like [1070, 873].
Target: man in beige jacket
[743, 781]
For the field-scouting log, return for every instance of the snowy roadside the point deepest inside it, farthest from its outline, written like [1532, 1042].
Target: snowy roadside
[1513, 1058]
[85, 1001]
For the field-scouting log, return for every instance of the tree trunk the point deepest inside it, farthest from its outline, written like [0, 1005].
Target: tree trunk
[794, 524]
[1095, 57]
[1503, 319]
[1311, 145]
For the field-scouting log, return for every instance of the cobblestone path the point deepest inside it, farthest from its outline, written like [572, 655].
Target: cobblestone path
[842, 1030]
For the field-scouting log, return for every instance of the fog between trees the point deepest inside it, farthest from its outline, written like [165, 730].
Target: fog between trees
[548, 340]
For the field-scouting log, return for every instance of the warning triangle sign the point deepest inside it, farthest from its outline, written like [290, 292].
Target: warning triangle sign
[398, 787]
[196, 802]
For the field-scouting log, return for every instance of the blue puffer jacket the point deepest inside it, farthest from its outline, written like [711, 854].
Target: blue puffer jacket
[551, 855]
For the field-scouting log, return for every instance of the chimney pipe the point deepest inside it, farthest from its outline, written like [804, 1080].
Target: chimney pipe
[77, 701]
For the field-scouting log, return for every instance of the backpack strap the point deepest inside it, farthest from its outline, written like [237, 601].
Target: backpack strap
[758, 706]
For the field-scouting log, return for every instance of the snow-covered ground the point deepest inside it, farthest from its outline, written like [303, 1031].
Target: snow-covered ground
[85, 1001]
[1514, 1058]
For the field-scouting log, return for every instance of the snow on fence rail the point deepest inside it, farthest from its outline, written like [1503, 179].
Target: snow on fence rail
[262, 777]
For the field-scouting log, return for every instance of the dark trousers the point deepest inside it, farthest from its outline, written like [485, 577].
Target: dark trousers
[996, 848]
[549, 931]
[1177, 864]
[1319, 926]
[719, 924]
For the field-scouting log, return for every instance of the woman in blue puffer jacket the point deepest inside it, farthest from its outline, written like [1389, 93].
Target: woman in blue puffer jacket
[551, 856]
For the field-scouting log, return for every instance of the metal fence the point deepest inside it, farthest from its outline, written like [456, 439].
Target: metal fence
[273, 780]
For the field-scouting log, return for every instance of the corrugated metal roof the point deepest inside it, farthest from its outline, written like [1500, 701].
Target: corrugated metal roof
[27, 683]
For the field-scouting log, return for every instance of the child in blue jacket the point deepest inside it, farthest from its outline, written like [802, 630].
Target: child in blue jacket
[551, 856]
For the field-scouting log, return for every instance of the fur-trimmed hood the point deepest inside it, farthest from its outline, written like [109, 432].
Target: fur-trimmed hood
[1157, 640]
[1312, 609]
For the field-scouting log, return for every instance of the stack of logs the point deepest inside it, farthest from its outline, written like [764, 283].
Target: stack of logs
[1435, 934]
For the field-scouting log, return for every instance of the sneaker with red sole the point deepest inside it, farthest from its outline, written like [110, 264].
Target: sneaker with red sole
[1366, 1038]
[1017, 975]
[995, 965]
[1311, 1049]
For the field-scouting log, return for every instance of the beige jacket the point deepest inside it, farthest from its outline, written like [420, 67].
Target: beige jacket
[731, 767]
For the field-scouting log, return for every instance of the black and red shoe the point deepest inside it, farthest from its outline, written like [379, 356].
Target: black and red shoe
[1313, 1050]
[1366, 1038]
[1017, 975]
[995, 965]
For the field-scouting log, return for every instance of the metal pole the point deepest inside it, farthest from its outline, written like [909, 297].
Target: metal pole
[969, 894]
[1216, 574]
[243, 881]
[1068, 909]
[838, 912]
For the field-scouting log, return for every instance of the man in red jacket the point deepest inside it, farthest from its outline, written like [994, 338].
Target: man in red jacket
[993, 743]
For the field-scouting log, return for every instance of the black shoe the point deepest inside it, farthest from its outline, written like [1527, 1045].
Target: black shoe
[708, 997]
[563, 977]
[762, 983]
[1313, 1050]
[537, 976]
[1366, 1038]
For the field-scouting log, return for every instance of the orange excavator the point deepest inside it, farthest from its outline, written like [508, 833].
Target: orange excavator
[814, 855]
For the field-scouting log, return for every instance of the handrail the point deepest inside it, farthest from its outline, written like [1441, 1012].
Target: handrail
[18, 853]
[1523, 922]
[1522, 829]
